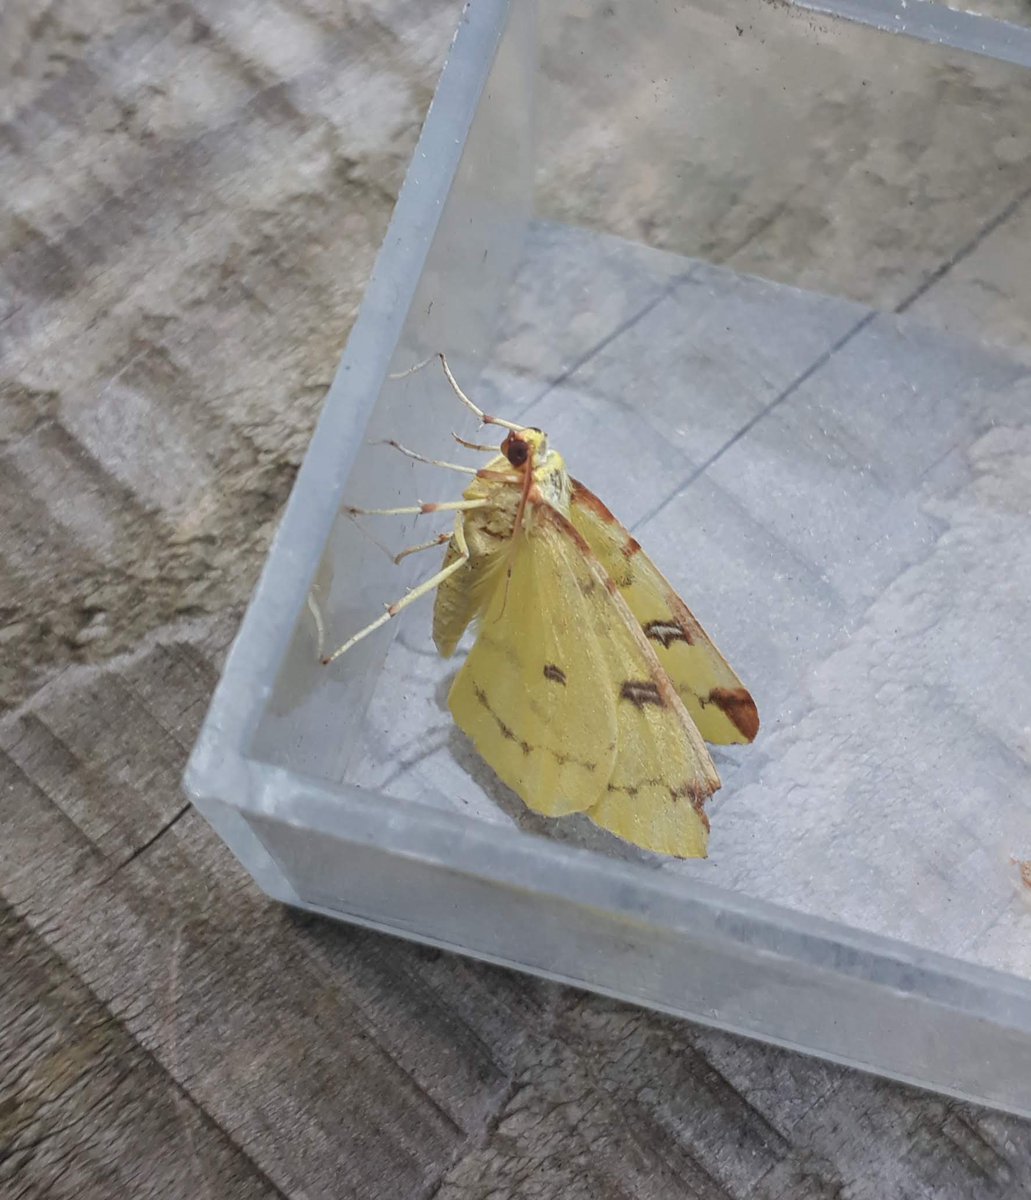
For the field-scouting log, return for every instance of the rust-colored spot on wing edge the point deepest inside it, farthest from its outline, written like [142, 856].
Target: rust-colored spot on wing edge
[739, 708]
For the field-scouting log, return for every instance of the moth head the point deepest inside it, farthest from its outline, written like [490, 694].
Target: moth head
[524, 446]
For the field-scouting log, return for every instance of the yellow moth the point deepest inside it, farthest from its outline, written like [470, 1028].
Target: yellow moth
[590, 688]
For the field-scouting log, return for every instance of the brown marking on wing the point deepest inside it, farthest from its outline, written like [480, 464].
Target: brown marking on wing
[697, 795]
[545, 512]
[631, 789]
[503, 729]
[567, 528]
[742, 711]
[666, 632]
[668, 697]
[526, 748]
[562, 759]
[661, 690]
[589, 500]
[641, 692]
[555, 674]
[691, 790]
[627, 789]
[739, 708]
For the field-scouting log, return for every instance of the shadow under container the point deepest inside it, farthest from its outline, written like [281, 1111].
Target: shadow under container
[732, 257]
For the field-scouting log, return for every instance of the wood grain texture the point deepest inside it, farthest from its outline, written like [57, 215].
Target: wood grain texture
[163, 287]
[193, 193]
[86, 1110]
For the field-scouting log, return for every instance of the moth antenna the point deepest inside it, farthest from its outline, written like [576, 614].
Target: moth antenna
[483, 418]
[411, 370]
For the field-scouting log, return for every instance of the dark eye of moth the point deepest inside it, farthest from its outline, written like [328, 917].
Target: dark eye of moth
[516, 452]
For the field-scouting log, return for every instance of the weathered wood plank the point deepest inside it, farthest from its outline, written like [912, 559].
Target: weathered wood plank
[84, 1110]
[250, 1020]
[618, 1103]
[150, 254]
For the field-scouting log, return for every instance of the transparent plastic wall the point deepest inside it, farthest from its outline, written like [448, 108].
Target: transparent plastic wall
[755, 268]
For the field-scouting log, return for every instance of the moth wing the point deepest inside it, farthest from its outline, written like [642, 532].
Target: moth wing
[525, 695]
[463, 595]
[564, 697]
[717, 700]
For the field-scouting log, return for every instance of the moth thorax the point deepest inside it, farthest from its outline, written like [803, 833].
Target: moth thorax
[553, 482]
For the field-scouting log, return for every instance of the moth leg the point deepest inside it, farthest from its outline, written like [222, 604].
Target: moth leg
[433, 462]
[474, 445]
[416, 509]
[416, 593]
[439, 540]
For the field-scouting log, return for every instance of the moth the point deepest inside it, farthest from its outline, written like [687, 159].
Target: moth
[590, 687]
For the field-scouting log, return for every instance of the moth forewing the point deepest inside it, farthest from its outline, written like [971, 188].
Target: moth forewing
[487, 532]
[464, 595]
[719, 703]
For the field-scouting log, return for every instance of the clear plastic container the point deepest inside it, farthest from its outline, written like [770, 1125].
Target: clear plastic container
[729, 266]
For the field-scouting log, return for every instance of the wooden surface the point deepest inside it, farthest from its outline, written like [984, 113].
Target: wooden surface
[192, 195]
